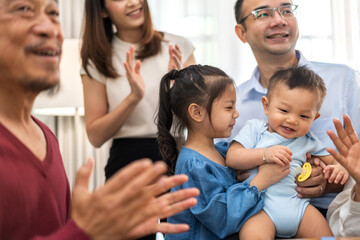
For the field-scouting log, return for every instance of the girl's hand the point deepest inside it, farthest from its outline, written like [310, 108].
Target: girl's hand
[269, 174]
[242, 175]
[336, 173]
[273, 172]
[278, 154]
[175, 58]
[133, 75]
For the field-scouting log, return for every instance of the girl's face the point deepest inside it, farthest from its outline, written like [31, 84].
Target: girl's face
[224, 113]
[125, 14]
[291, 112]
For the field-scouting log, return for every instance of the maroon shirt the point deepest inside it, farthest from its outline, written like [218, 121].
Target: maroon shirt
[34, 195]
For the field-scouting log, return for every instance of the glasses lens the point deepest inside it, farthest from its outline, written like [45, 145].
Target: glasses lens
[287, 11]
[263, 14]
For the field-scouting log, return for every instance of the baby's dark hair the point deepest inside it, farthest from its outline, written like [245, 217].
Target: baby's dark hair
[298, 77]
[178, 89]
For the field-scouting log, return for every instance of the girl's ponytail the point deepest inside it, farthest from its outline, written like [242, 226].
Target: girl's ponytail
[167, 143]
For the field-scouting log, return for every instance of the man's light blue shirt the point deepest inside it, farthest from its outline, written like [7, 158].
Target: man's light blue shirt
[342, 97]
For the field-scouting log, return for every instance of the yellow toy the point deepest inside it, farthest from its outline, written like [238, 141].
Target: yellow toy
[305, 172]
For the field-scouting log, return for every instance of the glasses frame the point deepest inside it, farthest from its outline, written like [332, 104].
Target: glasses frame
[273, 10]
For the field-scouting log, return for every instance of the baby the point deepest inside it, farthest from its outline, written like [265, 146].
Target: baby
[292, 104]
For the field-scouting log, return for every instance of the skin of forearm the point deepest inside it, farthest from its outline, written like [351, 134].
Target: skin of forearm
[241, 158]
[259, 182]
[104, 128]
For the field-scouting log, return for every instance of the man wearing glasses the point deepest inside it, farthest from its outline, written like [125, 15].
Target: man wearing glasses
[270, 28]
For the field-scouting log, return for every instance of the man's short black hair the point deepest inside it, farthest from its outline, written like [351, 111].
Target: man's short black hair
[237, 8]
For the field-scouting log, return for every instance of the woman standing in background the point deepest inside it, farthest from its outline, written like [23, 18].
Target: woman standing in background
[123, 61]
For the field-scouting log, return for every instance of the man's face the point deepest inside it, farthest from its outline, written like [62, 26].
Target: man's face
[30, 43]
[277, 36]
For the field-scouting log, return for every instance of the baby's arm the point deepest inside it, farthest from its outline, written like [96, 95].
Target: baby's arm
[333, 171]
[241, 158]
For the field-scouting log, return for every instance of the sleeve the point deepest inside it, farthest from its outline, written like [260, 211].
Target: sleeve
[222, 210]
[248, 135]
[69, 231]
[186, 47]
[344, 215]
[93, 72]
[352, 99]
[319, 146]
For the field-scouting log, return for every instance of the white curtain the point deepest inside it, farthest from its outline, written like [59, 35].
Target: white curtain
[346, 29]
[330, 31]
[71, 17]
[76, 149]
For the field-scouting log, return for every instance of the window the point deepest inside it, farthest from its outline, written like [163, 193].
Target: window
[196, 20]
[316, 37]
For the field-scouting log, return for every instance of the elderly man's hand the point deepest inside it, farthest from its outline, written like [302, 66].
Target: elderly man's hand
[130, 202]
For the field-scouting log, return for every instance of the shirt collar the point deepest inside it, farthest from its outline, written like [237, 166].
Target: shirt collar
[303, 61]
[254, 83]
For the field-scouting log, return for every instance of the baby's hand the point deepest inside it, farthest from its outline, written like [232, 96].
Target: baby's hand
[336, 173]
[278, 154]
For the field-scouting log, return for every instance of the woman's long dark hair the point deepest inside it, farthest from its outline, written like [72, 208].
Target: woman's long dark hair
[99, 32]
[178, 89]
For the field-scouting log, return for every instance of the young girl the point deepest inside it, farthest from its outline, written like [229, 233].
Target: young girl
[292, 104]
[202, 100]
[123, 60]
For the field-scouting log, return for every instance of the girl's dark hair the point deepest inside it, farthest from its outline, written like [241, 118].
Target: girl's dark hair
[298, 77]
[99, 32]
[178, 89]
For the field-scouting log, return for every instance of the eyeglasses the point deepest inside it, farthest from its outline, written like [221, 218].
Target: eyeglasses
[265, 14]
